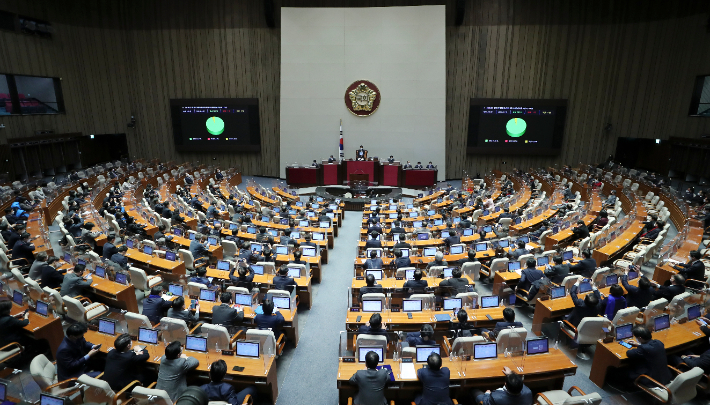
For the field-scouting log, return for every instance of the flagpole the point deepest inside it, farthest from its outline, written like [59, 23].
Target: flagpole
[342, 155]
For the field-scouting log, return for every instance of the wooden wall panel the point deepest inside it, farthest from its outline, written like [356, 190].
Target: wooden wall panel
[629, 63]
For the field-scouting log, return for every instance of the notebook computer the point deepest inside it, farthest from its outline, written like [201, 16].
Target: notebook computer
[557, 292]
[378, 274]
[363, 350]
[175, 289]
[490, 301]
[371, 306]
[423, 352]
[411, 305]
[107, 326]
[196, 343]
[485, 351]
[537, 346]
[208, 295]
[624, 331]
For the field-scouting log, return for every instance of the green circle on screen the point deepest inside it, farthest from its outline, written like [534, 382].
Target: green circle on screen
[215, 125]
[516, 127]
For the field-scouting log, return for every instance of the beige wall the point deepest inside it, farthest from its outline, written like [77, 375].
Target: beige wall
[631, 63]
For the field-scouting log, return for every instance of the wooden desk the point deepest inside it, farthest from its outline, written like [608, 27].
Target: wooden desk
[663, 273]
[216, 251]
[541, 372]
[284, 194]
[156, 263]
[677, 338]
[40, 327]
[261, 198]
[304, 289]
[622, 241]
[114, 294]
[399, 321]
[313, 262]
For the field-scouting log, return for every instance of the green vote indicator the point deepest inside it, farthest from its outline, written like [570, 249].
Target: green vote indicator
[215, 125]
[516, 127]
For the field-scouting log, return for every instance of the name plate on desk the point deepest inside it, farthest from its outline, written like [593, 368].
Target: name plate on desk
[194, 297]
[93, 327]
[359, 278]
[394, 309]
[407, 360]
[437, 309]
[227, 352]
[134, 337]
[349, 359]
[354, 309]
[399, 278]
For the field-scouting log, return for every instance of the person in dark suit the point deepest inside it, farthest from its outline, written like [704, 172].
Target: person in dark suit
[373, 242]
[331, 159]
[580, 231]
[529, 275]
[217, 390]
[558, 272]
[308, 242]
[514, 392]
[695, 269]
[586, 266]
[23, 249]
[430, 166]
[515, 254]
[470, 258]
[120, 257]
[456, 282]
[124, 365]
[640, 296]
[74, 352]
[154, 306]
[407, 165]
[453, 238]
[374, 326]
[74, 283]
[13, 326]
[647, 357]
[178, 311]
[282, 281]
[400, 261]
[652, 233]
[417, 283]
[224, 314]
[50, 277]
[371, 286]
[373, 262]
[397, 227]
[244, 278]
[418, 165]
[438, 261]
[463, 328]
[435, 383]
[109, 248]
[583, 308]
[510, 322]
[371, 382]
[269, 319]
[188, 180]
[423, 338]
[360, 153]
[197, 248]
[390, 159]
[676, 287]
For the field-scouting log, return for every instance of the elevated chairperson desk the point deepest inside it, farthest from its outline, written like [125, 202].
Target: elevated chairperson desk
[390, 174]
[419, 177]
[304, 176]
[542, 372]
[368, 167]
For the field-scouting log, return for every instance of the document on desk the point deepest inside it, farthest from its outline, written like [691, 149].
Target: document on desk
[407, 371]
[519, 271]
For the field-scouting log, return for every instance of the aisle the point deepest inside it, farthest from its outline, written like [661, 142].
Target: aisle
[311, 375]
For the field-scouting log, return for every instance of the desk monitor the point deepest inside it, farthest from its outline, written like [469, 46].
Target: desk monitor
[257, 246]
[624, 331]
[504, 243]
[264, 218]
[121, 278]
[633, 275]
[333, 206]
[557, 292]
[456, 249]
[257, 269]
[512, 266]
[485, 351]
[208, 295]
[294, 272]
[190, 214]
[488, 228]
[298, 204]
[423, 352]
[567, 255]
[146, 335]
[371, 306]
[67, 256]
[107, 326]
[392, 215]
[694, 312]
[295, 235]
[452, 303]
[363, 350]
[457, 220]
[378, 274]
[100, 271]
[303, 223]
[148, 250]
[423, 236]
[373, 202]
[449, 272]
[405, 252]
[538, 346]
[81, 261]
[281, 250]
[151, 220]
[410, 206]
[3, 392]
[585, 286]
[409, 274]
[216, 222]
[524, 239]
[272, 232]
[283, 221]
[170, 256]
[324, 224]
[318, 236]
[518, 220]
[242, 299]
[191, 235]
[612, 279]
[330, 215]
[412, 305]
[468, 231]
[196, 343]
[17, 297]
[396, 237]
[445, 234]
[222, 265]
[413, 214]
[485, 212]
[555, 229]
[43, 308]
[45, 399]
[309, 252]
[481, 247]
[175, 289]
[251, 230]
[490, 301]
[543, 261]
[429, 252]
[417, 224]
[438, 222]
[233, 227]
[661, 322]
[431, 212]
[292, 212]
[212, 241]
[282, 302]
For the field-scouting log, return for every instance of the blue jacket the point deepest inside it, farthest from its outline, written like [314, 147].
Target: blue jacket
[109, 250]
[222, 391]
[120, 260]
[198, 250]
[274, 322]
[435, 386]
[503, 397]
[154, 306]
[71, 360]
[636, 296]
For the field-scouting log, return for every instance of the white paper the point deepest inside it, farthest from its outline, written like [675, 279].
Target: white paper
[407, 371]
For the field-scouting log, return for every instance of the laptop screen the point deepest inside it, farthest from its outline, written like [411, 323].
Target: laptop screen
[693, 312]
[405, 252]
[412, 305]
[257, 269]
[429, 252]
[409, 274]
[170, 256]
[488, 228]
[423, 352]
[567, 255]
[147, 250]
[233, 227]
[661, 322]
[363, 350]
[318, 236]
[543, 261]
[242, 299]
[452, 303]
[417, 224]
[538, 346]
[67, 257]
[177, 231]
[504, 243]
[17, 297]
[3, 392]
[309, 252]
[222, 265]
[196, 343]
[43, 308]
[282, 302]
[100, 271]
[633, 275]
[481, 247]
[468, 232]
[392, 215]
[375, 273]
[624, 331]
[512, 266]
[371, 306]
[557, 292]
[585, 286]
[294, 272]
[456, 249]
[149, 336]
[524, 239]
[438, 222]
[251, 229]
[485, 351]
[175, 289]
[295, 235]
[490, 301]
[121, 278]
[449, 272]
[445, 234]
[207, 295]
[212, 241]
[378, 252]
[81, 261]
[612, 279]
[281, 250]
[107, 326]
[45, 399]
[422, 236]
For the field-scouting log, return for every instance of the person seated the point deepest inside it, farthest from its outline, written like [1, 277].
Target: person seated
[611, 200]
[514, 392]
[453, 238]
[371, 382]
[465, 222]
[462, 328]
[558, 272]
[120, 257]
[529, 276]
[435, 383]
[407, 165]
[568, 193]
[510, 322]
[24, 249]
[400, 261]
[694, 269]
[374, 262]
[583, 308]
[178, 311]
[456, 282]
[640, 296]
[314, 163]
[370, 287]
[601, 221]
[308, 242]
[244, 278]
[648, 357]
[374, 326]
[505, 214]
[390, 159]
[373, 242]
[49, 276]
[172, 373]
[201, 277]
[612, 303]
[653, 232]
[154, 306]
[580, 231]
[425, 337]
[438, 261]
[418, 165]
[430, 166]
[217, 390]
[331, 159]
[586, 266]
[270, 320]
[109, 249]
[282, 281]
[124, 365]
[74, 353]
[360, 153]
[224, 314]
[676, 287]
[74, 283]
[197, 247]
[515, 254]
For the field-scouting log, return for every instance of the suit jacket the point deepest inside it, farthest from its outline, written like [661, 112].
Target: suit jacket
[198, 250]
[460, 284]
[375, 263]
[514, 255]
[372, 244]
[636, 296]
[185, 315]
[452, 240]
[581, 310]
[123, 368]
[12, 328]
[70, 358]
[120, 260]
[224, 315]
[557, 273]
[650, 359]
[585, 267]
[171, 375]
[281, 282]
[154, 306]
[222, 391]
[580, 232]
[368, 290]
[703, 361]
[73, 285]
[402, 262]
[369, 330]
[50, 277]
[528, 277]
[668, 292]
[416, 284]
[371, 386]
[23, 250]
[274, 322]
[109, 250]
[435, 386]
[503, 397]
[693, 271]
[503, 325]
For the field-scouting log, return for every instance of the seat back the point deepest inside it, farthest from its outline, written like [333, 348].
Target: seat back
[589, 399]
[217, 336]
[17, 275]
[463, 346]
[682, 387]
[194, 288]
[138, 278]
[187, 258]
[679, 305]
[371, 340]
[569, 281]
[56, 300]
[524, 258]
[75, 309]
[269, 267]
[96, 391]
[35, 290]
[471, 269]
[435, 271]
[655, 308]
[624, 316]
[468, 299]
[43, 371]
[599, 274]
[427, 299]
[266, 339]
[135, 321]
[229, 248]
[237, 290]
[303, 270]
[590, 329]
[499, 265]
[174, 329]
[511, 340]
[402, 271]
[583, 244]
[148, 396]
[374, 297]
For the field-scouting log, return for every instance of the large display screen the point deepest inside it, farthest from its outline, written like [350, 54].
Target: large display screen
[516, 126]
[216, 125]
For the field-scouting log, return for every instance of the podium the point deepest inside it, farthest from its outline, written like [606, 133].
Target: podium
[358, 177]
[331, 173]
[368, 167]
[304, 176]
[390, 174]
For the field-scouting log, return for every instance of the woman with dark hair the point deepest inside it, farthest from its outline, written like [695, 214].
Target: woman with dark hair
[612, 303]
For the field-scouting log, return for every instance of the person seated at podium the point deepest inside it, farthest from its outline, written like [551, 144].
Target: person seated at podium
[331, 159]
[435, 383]
[418, 165]
[373, 262]
[391, 159]
[361, 153]
[514, 392]
[400, 261]
[371, 382]
[374, 327]
[430, 166]
[417, 283]
[407, 165]
[314, 164]
[373, 243]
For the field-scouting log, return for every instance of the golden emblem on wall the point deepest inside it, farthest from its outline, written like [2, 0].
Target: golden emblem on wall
[362, 98]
